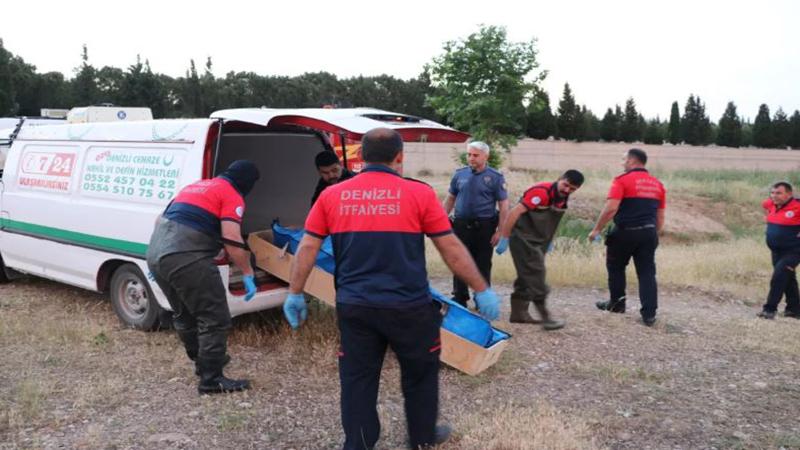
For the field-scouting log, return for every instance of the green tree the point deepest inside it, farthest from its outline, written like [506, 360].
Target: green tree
[609, 126]
[8, 106]
[654, 133]
[730, 128]
[568, 115]
[695, 125]
[84, 85]
[481, 84]
[674, 128]
[781, 130]
[541, 123]
[630, 130]
[590, 128]
[794, 125]
[762, 128]
[747, 133]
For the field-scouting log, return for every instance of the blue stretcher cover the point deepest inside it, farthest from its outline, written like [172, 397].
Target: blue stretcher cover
[458, 320]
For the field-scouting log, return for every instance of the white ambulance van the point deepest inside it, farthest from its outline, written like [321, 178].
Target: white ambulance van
[78, 201]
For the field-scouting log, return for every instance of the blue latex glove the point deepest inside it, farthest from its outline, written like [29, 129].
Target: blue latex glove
[249, 287]
[488, 304]
[502, 246]
[294, 308]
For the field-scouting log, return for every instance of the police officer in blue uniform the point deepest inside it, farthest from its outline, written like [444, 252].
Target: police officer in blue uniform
[476, 193]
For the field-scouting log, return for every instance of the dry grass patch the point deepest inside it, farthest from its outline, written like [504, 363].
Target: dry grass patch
[621, 374]
[512, 427]
[778, 336]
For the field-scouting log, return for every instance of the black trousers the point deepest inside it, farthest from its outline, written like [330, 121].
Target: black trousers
[783, 282]
[477, 237]
[639, 244]
[413, 335]
[197, 296]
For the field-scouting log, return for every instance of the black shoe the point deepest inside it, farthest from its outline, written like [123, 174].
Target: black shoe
[225, 362]
[617, 307]
[792, 314]
[212, 381]
[441, 435]
[766, 315]
[649, 321]
[221, 385]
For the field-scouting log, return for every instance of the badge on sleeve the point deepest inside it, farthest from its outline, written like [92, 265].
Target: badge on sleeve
[536, 200]
[239, 211]
[789, 214]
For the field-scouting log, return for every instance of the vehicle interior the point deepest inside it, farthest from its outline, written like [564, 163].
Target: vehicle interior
[285, 159]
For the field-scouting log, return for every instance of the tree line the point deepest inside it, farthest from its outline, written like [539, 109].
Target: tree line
[498, 105]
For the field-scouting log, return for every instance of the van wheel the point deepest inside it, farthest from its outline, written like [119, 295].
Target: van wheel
[132, 299]
[3, 275]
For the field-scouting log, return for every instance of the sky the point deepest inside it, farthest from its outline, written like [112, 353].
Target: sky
[656, 52]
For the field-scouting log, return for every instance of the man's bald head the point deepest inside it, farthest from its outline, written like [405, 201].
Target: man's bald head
[381, 145]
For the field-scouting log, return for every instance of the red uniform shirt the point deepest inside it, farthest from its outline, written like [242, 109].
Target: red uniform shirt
[783, 225]
[377, 222]
[641, 195]
[204, 204]
[543, 195]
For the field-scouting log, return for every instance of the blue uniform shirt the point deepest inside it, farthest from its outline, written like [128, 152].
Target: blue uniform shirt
[477, 193]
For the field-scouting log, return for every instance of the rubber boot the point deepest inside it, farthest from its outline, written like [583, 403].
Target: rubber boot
[520, 314]
[548, 323]
[212, 381]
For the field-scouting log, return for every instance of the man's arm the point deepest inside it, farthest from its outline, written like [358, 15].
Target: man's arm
[232, 231]
[459, 261]
[516, 212]
[449, 203]
[659, 220]
[611, 207]
[304, 259]
[503, 204]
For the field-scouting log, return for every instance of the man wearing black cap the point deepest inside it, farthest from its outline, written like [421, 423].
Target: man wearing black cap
[204, 218]
[330, 172]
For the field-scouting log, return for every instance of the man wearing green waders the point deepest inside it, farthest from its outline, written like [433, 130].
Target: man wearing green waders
[529, 231]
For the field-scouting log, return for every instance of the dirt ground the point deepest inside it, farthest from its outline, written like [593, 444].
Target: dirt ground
[561, 155]
[708, 375]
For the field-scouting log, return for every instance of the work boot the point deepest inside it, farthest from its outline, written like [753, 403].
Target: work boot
[212, 381]
[520, 314]
[766, 314]
[548, 323]
[649, 321]
[225, 360]
[792, 314]
[615, 307]
[441, 435]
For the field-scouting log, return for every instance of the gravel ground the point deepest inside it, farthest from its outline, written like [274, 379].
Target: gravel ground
[708, 375]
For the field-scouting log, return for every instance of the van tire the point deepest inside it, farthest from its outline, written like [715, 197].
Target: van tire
[133, 300]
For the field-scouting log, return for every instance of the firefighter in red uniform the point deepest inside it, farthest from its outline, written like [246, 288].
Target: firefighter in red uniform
[378, 222]
[529, 232]
[783, 238]
[202, 219]
[636, 201]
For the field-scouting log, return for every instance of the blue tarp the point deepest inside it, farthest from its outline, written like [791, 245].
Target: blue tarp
[458, 319]
[283, 236]
[468, 325]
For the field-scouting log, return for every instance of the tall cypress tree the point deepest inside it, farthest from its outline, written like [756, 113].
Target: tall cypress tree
[84, 84]
[695, 125]
[567, 115]
[609, 127]
[730, 128]
[7, 95]
[762, 128]
[794, 125]
[674, 128]
[630, 130]
[654, 134]
[781, 130]
[540, 120]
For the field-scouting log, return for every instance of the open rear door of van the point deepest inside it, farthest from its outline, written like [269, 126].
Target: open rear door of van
[352, 123]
